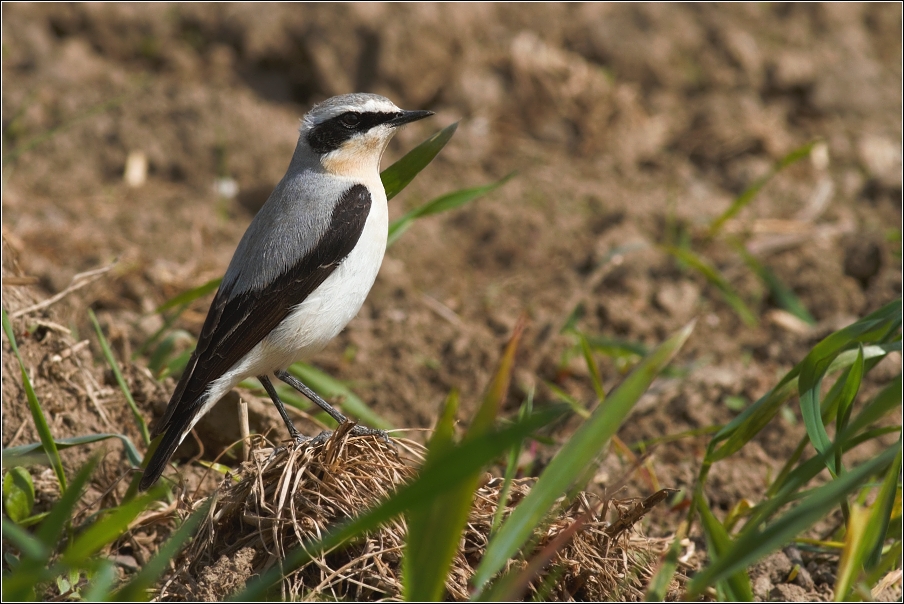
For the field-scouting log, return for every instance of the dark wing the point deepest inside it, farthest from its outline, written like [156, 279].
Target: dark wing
[236, 325]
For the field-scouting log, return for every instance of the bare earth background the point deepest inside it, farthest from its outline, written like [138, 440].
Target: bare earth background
[625, 123]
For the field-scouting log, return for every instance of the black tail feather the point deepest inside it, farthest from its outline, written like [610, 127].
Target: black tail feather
[160, 458]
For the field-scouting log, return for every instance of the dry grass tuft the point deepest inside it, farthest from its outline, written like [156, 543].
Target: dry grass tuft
[282, 499]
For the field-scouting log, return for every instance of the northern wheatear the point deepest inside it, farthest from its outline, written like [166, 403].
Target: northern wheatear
[301, 271]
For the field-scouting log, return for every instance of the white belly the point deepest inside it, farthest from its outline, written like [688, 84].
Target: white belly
[326, 312]
[323, 314]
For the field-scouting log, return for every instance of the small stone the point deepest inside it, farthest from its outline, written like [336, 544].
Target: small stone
[678, 299]
[881, 157]
[862, 261]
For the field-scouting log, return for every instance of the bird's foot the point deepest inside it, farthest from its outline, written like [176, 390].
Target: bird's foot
[355, 430]
[319, 439]
[359, 430]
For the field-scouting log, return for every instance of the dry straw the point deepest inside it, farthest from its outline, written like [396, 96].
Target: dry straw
[281, 499]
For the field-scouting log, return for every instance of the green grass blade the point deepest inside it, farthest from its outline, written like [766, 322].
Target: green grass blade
[742, 200]
[871, 329]
[736, 585]
[108, 527]
[795, 480]
[169, 321]
[617, 348]
[30, 547]
[136, 589]
[783, 295]
[715, 278]
[51, 530]
[111, 360]
[754, 543]
[20, 585]
[187, 297]
[447, 474]
[848, 387]
[162, 358]
[50, 133]
[576, 406]
[397, 176]
[329, 387]
[841, 405]
[881, 514]
[593, 369]
[511, 466]
[853, 554]
[499, 385]
[37, 413]
[888, 400]
[11, 454]
[434, 530]
[442, 203]
[439, 525]
[812, 413]
[571, 462]
[658, 588]
[100, 588]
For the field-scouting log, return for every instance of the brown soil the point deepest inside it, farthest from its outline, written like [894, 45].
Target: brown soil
[625, 124]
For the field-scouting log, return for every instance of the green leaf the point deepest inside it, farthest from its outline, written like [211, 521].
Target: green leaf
[18, 494]
[11, 454]
[34, 406]
[450, 470]
[715, 278]
[329, 387]
[750, 192]
[573, 460]
[111, 360]
[187, 297]
[397, 176]
[443, 203]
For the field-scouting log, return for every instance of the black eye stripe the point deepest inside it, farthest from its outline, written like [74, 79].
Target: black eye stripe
[329, 135]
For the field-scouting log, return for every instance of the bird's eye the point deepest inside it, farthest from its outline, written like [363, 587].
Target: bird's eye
[350, 120]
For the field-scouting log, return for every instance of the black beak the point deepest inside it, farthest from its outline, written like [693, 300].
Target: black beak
[406, 117]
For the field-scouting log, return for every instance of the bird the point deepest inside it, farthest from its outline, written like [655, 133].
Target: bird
[301, 271]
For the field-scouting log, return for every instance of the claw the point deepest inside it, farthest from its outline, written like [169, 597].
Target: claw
[360, 430]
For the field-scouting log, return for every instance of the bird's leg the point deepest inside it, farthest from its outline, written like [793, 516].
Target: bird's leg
[293, 431]
[358, 430]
